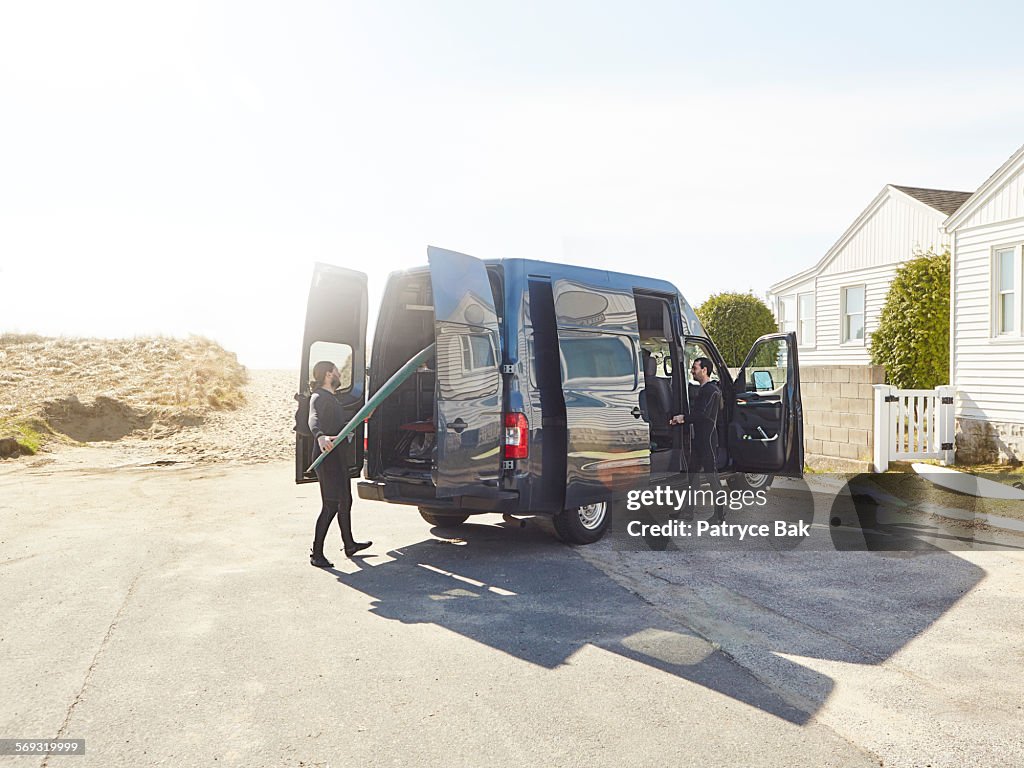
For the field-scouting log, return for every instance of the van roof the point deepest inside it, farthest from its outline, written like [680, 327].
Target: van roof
[607, 277]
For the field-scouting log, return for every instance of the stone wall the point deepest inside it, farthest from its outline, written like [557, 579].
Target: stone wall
[839, 414]
[988, 442]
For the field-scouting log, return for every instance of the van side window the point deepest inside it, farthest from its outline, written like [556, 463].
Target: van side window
[597, 360]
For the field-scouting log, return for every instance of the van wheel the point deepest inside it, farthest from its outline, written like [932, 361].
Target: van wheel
[440, 519]
[583, 525]
[750, 481]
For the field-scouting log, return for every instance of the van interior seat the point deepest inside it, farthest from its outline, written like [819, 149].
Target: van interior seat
[658, 397]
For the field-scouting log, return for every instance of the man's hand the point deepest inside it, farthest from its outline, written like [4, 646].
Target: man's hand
[326, 444]
[677, 419]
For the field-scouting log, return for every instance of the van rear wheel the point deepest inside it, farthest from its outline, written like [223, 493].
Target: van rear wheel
[583, 525]
[441, 519]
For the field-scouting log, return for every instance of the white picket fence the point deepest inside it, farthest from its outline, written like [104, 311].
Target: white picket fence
[912, 424]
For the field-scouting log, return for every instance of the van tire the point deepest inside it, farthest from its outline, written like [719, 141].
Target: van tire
[441, 519]
[583, 525]
[749, 481]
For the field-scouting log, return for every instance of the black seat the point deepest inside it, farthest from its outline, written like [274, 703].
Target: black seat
[658, 396]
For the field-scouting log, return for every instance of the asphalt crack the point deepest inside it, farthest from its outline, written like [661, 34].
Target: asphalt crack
[95, 661]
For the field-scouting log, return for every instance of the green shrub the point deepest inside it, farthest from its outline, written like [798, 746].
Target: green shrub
[912, 340]
[734, 321]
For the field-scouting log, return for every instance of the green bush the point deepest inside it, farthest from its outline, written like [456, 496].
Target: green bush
[734, 321]
[912, 340]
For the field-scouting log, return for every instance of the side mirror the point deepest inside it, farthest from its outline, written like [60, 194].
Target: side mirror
[667, 365]
[763, 381]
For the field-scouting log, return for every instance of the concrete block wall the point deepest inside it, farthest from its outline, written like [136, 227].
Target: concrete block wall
[839, 414]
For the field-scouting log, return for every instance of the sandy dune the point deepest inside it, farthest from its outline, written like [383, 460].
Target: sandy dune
[260, 430]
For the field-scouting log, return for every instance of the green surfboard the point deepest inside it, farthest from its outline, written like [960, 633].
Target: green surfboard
[379, 397]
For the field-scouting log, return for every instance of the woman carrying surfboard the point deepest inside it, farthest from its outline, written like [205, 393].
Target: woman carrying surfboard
[327, 418]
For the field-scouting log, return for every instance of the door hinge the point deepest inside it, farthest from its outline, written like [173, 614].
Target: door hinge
[508, 464]
[947, 401]
[947, 447]
[508, 368]
[891, 399]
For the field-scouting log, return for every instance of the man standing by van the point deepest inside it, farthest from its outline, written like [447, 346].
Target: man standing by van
[704, 417]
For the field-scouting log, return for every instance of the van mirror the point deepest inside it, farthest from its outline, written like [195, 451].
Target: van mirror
[763, 381]
[667, 365]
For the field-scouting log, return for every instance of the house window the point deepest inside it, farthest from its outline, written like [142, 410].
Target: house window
[787, 313]
[1005, 293]
[805, 319]
[853, 314]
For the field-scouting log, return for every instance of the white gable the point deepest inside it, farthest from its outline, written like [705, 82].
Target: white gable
[999, 199]
[895, 227]
[886, 233]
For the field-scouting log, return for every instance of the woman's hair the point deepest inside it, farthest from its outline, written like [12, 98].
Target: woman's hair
[320, 371]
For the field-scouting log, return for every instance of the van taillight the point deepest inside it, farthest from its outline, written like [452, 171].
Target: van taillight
[517, 436]
[366, 435]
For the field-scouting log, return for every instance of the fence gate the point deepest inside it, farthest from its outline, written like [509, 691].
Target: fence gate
[912, 424]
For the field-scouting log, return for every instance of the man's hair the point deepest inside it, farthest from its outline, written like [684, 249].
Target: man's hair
[706, 364]
[320, 371]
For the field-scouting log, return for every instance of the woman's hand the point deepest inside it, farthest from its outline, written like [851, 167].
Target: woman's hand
[325, 443]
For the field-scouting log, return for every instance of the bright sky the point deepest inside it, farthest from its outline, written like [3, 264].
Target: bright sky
[178, 167]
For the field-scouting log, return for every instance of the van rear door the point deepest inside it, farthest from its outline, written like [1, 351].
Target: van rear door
[468, 355]
[766, 432]
[335, 331]
[608, 443]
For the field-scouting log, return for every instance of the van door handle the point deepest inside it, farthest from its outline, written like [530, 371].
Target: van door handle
[637, 413]
[458, 425]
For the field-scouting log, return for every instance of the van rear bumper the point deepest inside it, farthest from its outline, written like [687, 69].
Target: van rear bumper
[424, 495]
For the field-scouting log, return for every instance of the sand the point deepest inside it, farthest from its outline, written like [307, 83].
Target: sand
[258, 431]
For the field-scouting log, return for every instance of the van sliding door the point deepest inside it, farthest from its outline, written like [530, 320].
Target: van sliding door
[469, 426]
[608, 444]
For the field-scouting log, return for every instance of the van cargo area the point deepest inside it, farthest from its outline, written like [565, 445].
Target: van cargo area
[402, 430]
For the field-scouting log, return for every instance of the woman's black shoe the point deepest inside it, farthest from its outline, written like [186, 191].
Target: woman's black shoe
[357, 546]
[319, 561]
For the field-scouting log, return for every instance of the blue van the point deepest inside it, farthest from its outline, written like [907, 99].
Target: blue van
[549, 393]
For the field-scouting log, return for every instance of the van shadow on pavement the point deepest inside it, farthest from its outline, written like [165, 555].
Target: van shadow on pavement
[519, 592]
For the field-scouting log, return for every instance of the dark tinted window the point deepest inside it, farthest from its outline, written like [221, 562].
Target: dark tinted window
[598, 360]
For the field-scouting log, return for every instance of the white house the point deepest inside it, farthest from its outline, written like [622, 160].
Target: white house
[986, 336]
[834, 306]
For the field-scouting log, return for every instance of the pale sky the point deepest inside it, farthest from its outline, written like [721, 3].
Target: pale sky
[178, 167]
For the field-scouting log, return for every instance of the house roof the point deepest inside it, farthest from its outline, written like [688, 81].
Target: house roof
[986, 190]
[933, 199]
[942, 200]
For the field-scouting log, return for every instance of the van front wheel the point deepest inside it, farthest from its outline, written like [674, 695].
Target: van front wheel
[748, 481]
[583, 525]
[440, 519]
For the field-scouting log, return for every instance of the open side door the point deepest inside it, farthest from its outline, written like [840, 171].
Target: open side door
[468, 390]
[607, 441]
[336, 331]
[766, 429]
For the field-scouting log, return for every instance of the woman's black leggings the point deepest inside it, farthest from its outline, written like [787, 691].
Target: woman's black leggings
[336, 496]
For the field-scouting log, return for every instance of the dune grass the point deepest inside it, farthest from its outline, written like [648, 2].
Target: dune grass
[164, 382]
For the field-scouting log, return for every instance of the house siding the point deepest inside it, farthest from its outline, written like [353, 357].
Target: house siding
[894, 227]
[891, 235]
[987, 373]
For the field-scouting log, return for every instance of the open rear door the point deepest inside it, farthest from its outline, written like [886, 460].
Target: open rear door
[766, 429]
[335, 331]
[468, 355]
[608, 443]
